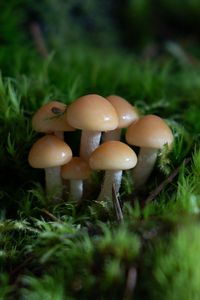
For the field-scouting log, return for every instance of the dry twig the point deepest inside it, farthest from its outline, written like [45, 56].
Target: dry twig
[130, 283]
[50, 215]
[38, 39]
[117, 205]
[21, 266]
[163, 184]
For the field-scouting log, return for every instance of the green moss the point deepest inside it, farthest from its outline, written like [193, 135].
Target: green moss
[176, 270]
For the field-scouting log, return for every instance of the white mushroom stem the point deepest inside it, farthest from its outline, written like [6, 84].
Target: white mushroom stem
[112, 135]
[111, 178]
[59, 134]
[52, 175]
[76, 189]
[53, 182]
[146, 161]
[90, 140]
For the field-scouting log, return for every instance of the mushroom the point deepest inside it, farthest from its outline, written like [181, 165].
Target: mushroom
[113, 157]
[76, 171]
[150, 133]
[48, 153]
[92, 114]
[127, 114]
[50, 118]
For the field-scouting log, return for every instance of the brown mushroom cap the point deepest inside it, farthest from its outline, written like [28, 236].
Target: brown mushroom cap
[77, 168]
[113, 155]
[49, 151]
[92, 112]
[150, 131]
[50, 118]
[127, 113]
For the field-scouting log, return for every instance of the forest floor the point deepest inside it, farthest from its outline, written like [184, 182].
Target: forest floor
[67, 251]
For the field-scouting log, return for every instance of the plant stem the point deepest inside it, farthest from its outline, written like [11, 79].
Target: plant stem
[146, 161]
[89, 142]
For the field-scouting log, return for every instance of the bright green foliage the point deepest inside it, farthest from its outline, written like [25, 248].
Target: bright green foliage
[5, 287]
[79, 262]
[48, 288]
[177, 266]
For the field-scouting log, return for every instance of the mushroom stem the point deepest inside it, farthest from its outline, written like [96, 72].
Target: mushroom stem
[90, 140]
[112, 135]
[52, 176]
[53, 182]
[59, 134]
[76, 189]
[112, 178]
[146, 161]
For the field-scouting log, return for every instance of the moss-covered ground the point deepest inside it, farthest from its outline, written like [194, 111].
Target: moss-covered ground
[63, 251]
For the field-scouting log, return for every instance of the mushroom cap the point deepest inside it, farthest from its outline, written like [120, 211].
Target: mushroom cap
[50, 118]
[127, 113]
[150, 131]
[92, 112]
[49, 151]
[77, 168]
[113, 155]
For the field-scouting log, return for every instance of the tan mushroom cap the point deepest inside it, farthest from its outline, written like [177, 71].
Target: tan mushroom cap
[49, 151]
[113, 155]
[92, 112]
[51, 117]
[150, 131]
[127, 113]
[77, 168]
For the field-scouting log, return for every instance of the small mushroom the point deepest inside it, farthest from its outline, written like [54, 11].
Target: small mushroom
[150, 133]
[48, 153]
[92, 114]
[50, 118]
[113, 157]
[127, 114]
[76, 171]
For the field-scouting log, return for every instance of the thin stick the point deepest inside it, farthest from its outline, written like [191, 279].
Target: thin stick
[117, 205]
[38, 39]
[21, 266]
[130, 283]
[168, 180]
[50, 215]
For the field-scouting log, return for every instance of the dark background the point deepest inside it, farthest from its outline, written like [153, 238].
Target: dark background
[141, 26]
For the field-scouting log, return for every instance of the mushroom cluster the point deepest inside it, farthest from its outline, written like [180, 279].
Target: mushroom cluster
[100, 120]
